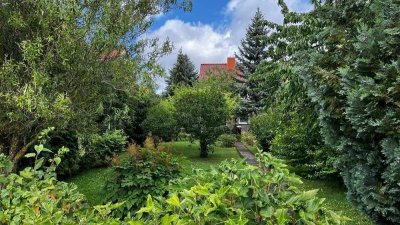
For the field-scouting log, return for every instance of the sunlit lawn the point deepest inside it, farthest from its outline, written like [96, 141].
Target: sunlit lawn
[192, 153]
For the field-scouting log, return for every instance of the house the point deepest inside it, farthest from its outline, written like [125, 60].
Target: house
[240, 124]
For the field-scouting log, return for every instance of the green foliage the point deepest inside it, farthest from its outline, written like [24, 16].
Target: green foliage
[248, 139]
[100, 148]
[183, 73]
[252, 51]
[227, 140]
[147, 172]
[160, 121]
[202, 111]
[243, 195]
[263, 126]
[347, 56]
[59, 61]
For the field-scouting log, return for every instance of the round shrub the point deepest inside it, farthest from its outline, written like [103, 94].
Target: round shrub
[226, 140]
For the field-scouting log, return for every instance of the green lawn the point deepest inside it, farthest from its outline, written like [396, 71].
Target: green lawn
[91, 182]
[192, 153]
[335, 196]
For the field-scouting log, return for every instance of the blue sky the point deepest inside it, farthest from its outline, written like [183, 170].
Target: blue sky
[213, 30]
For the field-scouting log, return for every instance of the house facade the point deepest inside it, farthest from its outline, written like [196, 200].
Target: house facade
[238, 124]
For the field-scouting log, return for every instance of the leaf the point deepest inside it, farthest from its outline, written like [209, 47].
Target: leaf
[174, 200]
[267, 213]
[38, 148]
[57, 160]
[281, 215]
[38, 164]
[30, 155]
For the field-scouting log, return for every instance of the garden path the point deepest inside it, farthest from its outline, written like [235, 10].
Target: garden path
[246, 154]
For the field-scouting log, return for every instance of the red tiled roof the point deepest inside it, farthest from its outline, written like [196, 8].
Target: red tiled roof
[211, 68]
[230, 66]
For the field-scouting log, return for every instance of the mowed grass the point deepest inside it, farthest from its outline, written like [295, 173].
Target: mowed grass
[335, 199]
[191, 152]
[91, 183]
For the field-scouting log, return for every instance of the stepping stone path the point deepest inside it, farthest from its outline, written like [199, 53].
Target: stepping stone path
[246, 154]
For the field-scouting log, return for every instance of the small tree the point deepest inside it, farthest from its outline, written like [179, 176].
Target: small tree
[183, 73]
[202, 111]
[160, 121]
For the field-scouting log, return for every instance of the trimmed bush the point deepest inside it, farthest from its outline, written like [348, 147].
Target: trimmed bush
[227, 140]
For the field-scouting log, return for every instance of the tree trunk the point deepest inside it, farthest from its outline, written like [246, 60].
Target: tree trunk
[203, 148]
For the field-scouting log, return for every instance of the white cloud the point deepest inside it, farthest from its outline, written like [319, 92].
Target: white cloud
[206, 44]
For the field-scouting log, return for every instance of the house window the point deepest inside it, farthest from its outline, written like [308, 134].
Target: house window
[242, 120]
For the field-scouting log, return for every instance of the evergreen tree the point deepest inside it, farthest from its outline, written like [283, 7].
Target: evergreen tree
[347, 53]
[251, 53]
[183, 73]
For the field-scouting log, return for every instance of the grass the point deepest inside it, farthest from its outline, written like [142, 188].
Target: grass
[335, 199]
[91, 182]
[192, 153]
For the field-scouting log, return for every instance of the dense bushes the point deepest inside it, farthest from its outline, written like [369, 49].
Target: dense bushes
[160, 121]
[35, 196]
[243, 195]
[100, 148]
[146, 172]
[345, 56]
[227, 140]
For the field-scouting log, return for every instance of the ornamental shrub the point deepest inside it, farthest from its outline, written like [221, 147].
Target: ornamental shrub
[147, 172]
[227, 140]
[100, 148]
[244, 194]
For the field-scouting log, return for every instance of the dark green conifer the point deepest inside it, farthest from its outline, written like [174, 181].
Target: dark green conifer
[183, 73]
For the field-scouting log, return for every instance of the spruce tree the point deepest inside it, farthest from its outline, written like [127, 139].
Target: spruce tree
[183, 73]
[251, 53]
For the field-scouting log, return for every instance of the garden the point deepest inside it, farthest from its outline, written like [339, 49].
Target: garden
[87, 138]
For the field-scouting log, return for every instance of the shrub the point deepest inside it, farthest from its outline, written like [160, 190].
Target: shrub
[248, 138]
[100, 148]
[244, 194]
[160, 121]
[183, 136]
[263, 126]
[226, 140]
[300, 144]
[146, 172]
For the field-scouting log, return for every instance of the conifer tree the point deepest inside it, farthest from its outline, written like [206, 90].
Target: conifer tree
[251, 53]
[183, 73]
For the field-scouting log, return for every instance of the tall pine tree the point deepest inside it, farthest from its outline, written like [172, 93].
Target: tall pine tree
[251, 53]
[183, 73]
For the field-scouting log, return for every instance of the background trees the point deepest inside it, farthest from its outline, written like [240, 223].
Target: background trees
[61, 60]
[183, 73]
